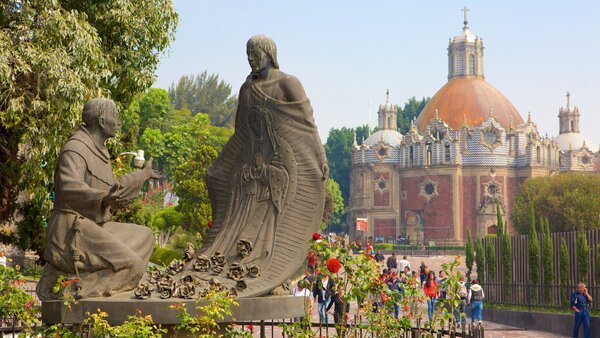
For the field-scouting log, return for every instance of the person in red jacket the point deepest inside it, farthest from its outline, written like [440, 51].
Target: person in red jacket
[431, 291]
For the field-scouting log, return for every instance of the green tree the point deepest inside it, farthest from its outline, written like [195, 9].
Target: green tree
[567, 199]
[564, 269]
[507, 262]
[480, 258]
[190, 186]
[547, 256]
[334, 210]
[534, 256]
[55, 55]
[469, 254]
[203, 93]
[156, 110]
[583, 251]
[499, 221]
[339, 155]
[490, 260]
[411, 110]
[164, 223]
[152, 142]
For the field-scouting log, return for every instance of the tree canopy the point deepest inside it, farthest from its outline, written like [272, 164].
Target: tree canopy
[411, 110]
[203, 93]
[567, 199]
[55, 54]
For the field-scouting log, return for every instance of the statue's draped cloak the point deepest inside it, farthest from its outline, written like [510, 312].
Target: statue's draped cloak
[296, 191]
[113, 255]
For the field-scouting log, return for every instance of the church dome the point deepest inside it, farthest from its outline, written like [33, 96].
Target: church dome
[389, 136]
[469, 98]
[573, 140]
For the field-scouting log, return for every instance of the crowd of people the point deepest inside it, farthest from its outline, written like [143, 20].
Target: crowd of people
[397, 274]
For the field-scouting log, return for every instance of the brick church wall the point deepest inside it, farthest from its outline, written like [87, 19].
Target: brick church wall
[438, 213]
[469, 205]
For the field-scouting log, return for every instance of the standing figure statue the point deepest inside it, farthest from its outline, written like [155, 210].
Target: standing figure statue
[81, 240]
[267, 187]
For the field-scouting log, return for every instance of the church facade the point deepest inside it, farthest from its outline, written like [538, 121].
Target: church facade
[466, 153]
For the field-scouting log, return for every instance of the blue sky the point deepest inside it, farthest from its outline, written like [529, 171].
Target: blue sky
[347, 53]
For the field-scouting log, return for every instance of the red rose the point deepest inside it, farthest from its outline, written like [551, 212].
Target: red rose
[250, 327]
[209, 224]
[333, 265]
[316, 236]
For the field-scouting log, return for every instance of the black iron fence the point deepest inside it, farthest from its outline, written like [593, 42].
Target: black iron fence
[275, 328]
[360, 329]
[535, 296]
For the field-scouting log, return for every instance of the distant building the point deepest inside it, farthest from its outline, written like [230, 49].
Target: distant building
[575, 154]
[468, 151]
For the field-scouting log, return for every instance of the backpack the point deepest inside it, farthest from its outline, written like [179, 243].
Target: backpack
[462, 291]
[426, 270]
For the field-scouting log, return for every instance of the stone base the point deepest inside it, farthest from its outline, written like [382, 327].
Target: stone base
[120, 307]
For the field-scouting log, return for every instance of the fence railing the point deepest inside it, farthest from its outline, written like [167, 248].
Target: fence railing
[535, 296]
[274, 328]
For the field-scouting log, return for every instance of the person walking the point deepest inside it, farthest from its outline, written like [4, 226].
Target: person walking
[463, 292]
[322, 293]
[379, 257]
[302, 289]
[423, 272]
[475, 298]
[580, 302]
[392, 263]
[341, 309]
[431, 291]
[403, 263]
[395, 284]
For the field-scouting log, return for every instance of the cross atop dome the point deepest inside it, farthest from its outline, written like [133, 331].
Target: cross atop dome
[466, 22]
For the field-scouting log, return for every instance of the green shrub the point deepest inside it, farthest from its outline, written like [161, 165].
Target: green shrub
[583, 252]
[469, 254]
[480, 258]
[164, 256]
[384, 246]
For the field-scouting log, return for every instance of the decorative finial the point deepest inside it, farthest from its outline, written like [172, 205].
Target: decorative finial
[354, 143]
[568, 100]
[465, 120]
[387, 96]
[510, 122]
[491, 113]
[529, 117]
[437, 115]
[583, 145]
[466, 22]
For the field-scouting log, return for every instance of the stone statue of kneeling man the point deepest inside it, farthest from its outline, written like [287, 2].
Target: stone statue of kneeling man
[81, 240]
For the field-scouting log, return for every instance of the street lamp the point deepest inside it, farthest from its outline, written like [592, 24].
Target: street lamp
[138, 160]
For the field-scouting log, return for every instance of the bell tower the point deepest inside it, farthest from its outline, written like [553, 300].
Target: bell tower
[568, 118]
[387, 114]
[465, 53]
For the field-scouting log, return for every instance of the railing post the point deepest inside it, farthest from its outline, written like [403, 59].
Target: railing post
[262, 329]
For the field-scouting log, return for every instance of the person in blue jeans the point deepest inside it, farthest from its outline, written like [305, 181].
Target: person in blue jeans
[463, 292]
[580, 302]
[475, 298]
[322, 293]
[396, 285]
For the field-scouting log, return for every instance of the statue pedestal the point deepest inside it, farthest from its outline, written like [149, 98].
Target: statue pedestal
[120, 307]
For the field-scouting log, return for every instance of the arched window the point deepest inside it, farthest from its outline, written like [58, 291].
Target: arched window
[447, 152]
[538, 154]
[549, 158]
[572, 126]
[428, 146]
[471, 64]
[412, 156]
